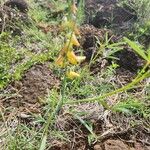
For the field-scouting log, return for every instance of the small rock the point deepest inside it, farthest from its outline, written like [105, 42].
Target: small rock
[115, 145]
[97, 147]
[24, 116]
[138, 146]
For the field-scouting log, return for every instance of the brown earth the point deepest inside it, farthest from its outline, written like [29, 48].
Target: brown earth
[21, 5]
[114, 132]
[101, 13]
[32, 88]
[12, 19]
[127, 58]
[98, 14]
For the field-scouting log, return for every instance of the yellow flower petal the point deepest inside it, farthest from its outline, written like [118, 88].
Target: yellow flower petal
[72, 75]
[74, 40]
[60, 61]
[76, 30]
[72, 57]
[80, 58]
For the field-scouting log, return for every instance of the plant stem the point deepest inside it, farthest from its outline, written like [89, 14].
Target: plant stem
[62, 96]
[124, 88]
[143, 70]
[51, 117]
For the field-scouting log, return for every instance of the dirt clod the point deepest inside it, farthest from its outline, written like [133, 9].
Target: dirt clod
[115, 145]
[33, 87]
[36, 82]
[21, 5]
[89, 38]
[92, 40]
[12, 19]
[97, 147]
[129, 60]
[107, 13]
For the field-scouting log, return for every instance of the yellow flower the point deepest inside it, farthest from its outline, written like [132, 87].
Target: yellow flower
[60, 61]
[80, 58]
[74, 40]
[72, 75]
[72, 58]
[76, 30]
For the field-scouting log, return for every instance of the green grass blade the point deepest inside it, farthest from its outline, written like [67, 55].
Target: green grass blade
[85, 124]
[137, 49]
[43, 143]
[148, 51]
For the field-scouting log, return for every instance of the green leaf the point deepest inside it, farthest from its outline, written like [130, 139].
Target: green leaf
[148, 52]
[43, 143]
[85, 124]
[123, 110]
[137, 49]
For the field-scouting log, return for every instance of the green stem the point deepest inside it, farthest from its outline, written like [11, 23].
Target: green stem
[143, 70]
[124, 88]
[61, 101]
[51, 118]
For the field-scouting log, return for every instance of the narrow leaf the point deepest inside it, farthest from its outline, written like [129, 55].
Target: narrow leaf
[148, 51]
[85, 124]
[136, 48]
[43, 143]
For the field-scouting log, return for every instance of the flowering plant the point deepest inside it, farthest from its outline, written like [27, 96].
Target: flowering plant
[66, 55]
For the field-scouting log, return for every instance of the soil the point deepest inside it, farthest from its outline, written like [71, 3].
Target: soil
[12, 19]
[90, 36]
[21, 5]
[34, 86]
[114, 132]
[127, 58]
[101, 13]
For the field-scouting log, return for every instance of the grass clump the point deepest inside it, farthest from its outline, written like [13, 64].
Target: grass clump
[9, 56]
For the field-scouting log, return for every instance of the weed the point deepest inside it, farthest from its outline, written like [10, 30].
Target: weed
[143, 74]
[132, 106]
[8, 57]
[66, 56]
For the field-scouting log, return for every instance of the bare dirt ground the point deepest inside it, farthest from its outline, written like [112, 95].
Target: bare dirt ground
[32, 88]
[115, 130]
